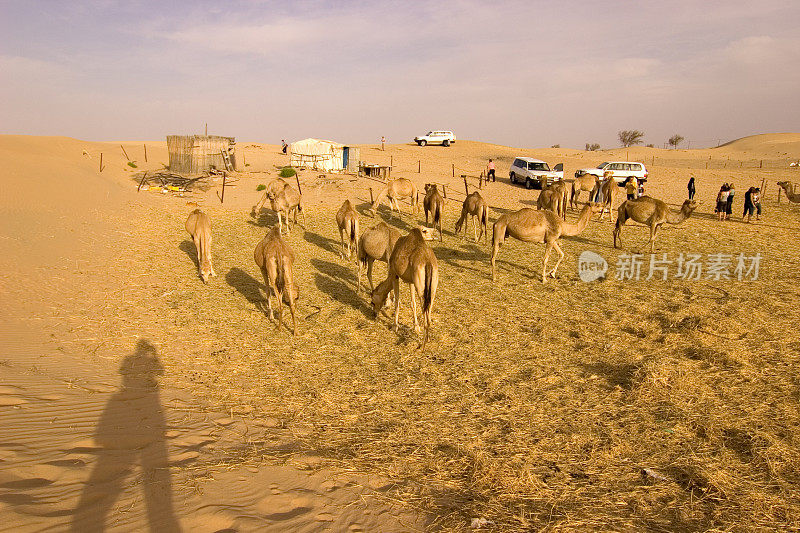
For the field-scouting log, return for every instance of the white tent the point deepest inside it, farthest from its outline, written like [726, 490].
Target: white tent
[317, 154]
[326, 156]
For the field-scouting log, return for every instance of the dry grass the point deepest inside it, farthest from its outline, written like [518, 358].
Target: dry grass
[661, 406]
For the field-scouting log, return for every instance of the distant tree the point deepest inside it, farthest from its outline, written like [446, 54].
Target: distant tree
[675, 140]
[650, 146]
[630, 137]
[592, 147]
[556, 146]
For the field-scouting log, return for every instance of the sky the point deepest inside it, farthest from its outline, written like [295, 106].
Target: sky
[519, 73]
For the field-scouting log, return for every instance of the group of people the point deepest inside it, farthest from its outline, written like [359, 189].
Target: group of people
[725, 196]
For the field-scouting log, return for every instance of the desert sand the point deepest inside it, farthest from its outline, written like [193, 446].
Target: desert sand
[134, 396]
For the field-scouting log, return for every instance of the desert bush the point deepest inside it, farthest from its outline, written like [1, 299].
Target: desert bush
[630, 137]
[287, 172]
[592, 147]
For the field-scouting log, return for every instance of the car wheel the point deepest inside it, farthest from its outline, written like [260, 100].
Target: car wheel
[423, 142]
[446, 142]
[528, 183]
[512, 177]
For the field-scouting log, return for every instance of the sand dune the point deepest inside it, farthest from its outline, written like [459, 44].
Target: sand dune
[533, 406]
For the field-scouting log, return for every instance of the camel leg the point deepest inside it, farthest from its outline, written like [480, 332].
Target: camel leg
[341, 238]
[653, 231]
[358, 283]
[495, 249]
[269, 289]
[561, 258]
[544, 262]
[413, 288]
[396, 290]
[370, 262]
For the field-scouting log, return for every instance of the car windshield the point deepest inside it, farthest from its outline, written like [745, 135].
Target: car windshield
[602, 165]
[429, 133]
[538, 166]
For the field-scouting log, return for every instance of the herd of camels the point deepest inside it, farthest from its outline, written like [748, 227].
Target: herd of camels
[409, 258]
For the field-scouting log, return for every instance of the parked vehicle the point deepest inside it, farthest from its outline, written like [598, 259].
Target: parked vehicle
[534, 172]
[445, 138]
[620, 170]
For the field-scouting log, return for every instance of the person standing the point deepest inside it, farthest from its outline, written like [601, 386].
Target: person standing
[690, 186]
[284, 146]
[383, 142]
[631, 187]
[729, 206]
[490, 175]
[722, 201]
[756, 199]
[749, 207]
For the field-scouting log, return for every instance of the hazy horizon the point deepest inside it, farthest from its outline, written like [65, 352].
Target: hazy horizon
[515, 73]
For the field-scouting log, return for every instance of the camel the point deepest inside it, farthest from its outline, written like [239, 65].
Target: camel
[199, 227]
[650, 212]
[275, 258]
[414, 262]
[396, 189]
[286, 202]
[790, 194]
[586, 182]
[275, 186]
[376, 243]
[433, 203]
[347, 220]
[554, 198]
[475, 206]
[529, 225]
[608, 189]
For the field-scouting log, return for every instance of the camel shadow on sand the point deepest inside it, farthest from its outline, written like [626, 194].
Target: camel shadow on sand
[339, 283]
[247, 286]
[130, 434]
[189, 249]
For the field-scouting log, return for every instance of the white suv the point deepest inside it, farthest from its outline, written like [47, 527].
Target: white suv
[534, 172]
[620, 170]
[445, 138]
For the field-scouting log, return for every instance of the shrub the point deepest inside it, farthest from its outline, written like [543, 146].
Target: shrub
[287, 172]
[592, 147]
[132, 164]
[556, 146]
[630, 137]
[261, 187]
[675, 140]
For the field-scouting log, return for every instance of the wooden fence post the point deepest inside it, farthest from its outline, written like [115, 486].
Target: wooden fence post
[419, 166]
[124, 152]
[297, 178]
[454, 170]
[371, 198]
[145, 152]
[480, 181]
[224, 180]
[444, 189]
[101, 161]
[779, 194]
[466, 187]
[141, 182]
[761, 164]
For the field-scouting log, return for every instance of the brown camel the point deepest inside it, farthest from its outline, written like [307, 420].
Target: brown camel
[286, 202]
[433, 203]
[474, 206]
[376, 243]
[554, 198]
[199, 227]
[396, 189]
[275, 186]
[788, 188]
[587, 182]
[414, 262]
[275, 258]
[608, 189]
[529, 225]
[650, 212]
[347, 220]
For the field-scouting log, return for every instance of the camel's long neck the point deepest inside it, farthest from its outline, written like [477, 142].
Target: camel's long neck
[583, 220]
[677, 218]
[379, 199]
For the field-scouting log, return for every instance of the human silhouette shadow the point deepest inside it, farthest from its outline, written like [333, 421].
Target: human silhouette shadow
[131, 430]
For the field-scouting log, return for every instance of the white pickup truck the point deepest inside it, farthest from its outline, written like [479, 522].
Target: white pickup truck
[621, 170]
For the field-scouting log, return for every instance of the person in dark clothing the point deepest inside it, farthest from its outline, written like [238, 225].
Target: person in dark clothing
[284, 146]
[756, 199]
[749, 206]
[729, 206]
[690, 186]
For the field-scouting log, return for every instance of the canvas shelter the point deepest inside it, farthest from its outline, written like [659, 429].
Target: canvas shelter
[327, 156]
